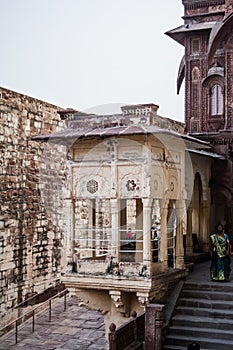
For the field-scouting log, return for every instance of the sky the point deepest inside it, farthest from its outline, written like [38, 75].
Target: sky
[93, 55]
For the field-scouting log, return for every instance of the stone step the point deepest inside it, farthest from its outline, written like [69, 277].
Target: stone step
[203, 322]
[219, 313]
[206, 294]
[210, 344]
[135, 346]
[206, 303]
[177, 347]
[202, 332]
[212, 286]
[204, 314]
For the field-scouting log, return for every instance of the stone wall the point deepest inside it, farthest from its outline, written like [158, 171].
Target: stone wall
[31, 255]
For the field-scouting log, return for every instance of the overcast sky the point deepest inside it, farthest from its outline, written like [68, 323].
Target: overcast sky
[88, 53]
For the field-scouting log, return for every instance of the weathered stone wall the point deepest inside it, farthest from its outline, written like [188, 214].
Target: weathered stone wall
[31, 255]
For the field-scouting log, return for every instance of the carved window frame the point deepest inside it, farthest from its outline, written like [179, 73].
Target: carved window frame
[208, 85]
[216, 100]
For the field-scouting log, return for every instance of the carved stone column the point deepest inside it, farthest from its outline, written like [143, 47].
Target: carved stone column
[163, 233]
[147, 254]
[189, 239]
[205, 226]
[70, 237]
[115, 213]
[92, 229]
[153, 329]
[180, 205]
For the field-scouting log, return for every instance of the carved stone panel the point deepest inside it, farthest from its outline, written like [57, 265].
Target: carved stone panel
[91, 152]
[157, 183]
[130, 179]
[156, 153]
[174, 185]
[132, 151]
[91, 183]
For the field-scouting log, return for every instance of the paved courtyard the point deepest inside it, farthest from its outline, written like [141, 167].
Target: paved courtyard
[77, 328]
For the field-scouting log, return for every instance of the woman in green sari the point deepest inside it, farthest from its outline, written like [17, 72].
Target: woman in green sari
[220, 255]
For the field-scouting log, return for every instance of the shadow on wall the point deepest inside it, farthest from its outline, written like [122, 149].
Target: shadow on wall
[37, 298]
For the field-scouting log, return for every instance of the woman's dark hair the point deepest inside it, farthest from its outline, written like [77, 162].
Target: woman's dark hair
[220, 225]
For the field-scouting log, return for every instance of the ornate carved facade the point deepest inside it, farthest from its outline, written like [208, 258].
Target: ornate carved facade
[207, 67]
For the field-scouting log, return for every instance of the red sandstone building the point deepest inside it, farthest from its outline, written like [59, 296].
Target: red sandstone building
[207, 71]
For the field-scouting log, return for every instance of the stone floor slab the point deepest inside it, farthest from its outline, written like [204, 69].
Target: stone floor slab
[77, 328]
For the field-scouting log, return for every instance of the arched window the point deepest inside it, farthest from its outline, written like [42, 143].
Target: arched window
[216, 100]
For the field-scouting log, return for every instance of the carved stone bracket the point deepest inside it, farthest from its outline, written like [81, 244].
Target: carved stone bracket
[143, 298]
[116, 298]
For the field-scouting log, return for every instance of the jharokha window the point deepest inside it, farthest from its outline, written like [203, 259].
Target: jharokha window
[216, 100]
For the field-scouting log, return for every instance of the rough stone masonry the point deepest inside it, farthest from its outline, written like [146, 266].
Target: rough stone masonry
[31, 255]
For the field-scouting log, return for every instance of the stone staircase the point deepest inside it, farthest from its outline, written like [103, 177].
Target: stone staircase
[203, 314]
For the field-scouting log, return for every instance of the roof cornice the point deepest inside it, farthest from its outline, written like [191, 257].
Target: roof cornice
[194, 4]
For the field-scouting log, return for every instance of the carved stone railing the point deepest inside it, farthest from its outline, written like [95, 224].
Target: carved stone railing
[142, 332]
[129, 334]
